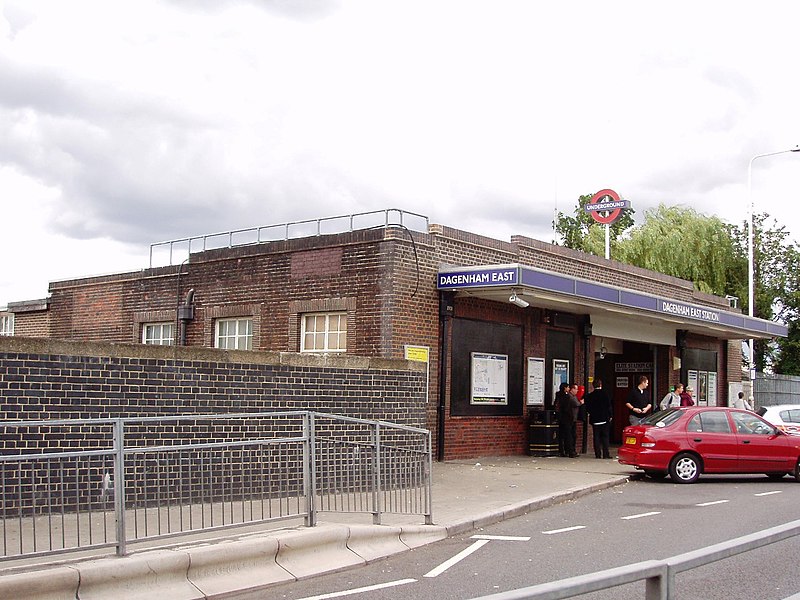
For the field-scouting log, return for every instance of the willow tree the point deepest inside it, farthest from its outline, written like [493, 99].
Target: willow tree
[681, 242]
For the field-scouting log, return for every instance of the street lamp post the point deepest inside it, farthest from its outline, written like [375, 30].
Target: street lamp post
[750, 254]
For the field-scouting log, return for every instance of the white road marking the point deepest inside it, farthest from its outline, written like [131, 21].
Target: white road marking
[639, 516]
[552, 531]
[712, 503]
[369, 588]
[456, 559]
[769, 493]
[502, 538]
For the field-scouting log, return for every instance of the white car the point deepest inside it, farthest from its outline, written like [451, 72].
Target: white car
[783, 416]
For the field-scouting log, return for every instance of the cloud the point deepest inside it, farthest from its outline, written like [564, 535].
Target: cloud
[127, 124]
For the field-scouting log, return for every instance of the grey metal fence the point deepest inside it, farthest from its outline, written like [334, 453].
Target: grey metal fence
[93, 483]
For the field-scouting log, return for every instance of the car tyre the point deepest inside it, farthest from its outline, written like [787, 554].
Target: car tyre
[797, 470]
[684, 468]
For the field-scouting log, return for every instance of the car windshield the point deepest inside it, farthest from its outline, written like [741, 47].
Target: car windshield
[662, 418]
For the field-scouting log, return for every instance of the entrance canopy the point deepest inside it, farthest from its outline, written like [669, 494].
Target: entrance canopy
[615, 312]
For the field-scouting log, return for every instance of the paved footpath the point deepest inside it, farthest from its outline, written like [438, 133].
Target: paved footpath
[467, 494]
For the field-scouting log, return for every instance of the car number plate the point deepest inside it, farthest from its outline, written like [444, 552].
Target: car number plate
[630, 440]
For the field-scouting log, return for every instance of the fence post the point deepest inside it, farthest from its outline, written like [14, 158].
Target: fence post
[429, 483]
[377, 477]
[657, 587]
[310, 468]
[119, 485]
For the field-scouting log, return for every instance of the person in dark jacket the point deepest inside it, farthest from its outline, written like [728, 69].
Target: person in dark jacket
[598, 405]
[561, 398]
[568, 406]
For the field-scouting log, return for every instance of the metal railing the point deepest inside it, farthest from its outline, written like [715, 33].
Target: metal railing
[284, 231]
[658, 575]
[79, 484]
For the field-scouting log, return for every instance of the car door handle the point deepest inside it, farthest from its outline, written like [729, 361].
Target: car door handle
[745, 441]
[698, 439]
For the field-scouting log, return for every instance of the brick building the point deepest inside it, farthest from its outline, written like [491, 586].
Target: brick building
[499, 323]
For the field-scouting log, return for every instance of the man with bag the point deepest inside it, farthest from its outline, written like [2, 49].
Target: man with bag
[672, 398]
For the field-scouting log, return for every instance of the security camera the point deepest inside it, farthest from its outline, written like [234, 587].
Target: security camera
[518, 301]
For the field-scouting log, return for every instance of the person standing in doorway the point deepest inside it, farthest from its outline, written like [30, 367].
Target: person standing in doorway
[598, 405]
[638, 402]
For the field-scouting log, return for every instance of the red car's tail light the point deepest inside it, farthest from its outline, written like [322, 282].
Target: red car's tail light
[648, 442]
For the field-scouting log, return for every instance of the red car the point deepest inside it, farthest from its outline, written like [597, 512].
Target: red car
[685, 442]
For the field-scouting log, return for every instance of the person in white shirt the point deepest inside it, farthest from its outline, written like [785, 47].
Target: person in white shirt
[741, 402]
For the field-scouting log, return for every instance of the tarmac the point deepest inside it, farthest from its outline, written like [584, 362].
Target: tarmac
[467, 495]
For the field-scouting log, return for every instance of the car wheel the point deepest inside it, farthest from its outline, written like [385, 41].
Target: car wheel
[655, 474]
[776, 476]
[684, 468]
[797, 470]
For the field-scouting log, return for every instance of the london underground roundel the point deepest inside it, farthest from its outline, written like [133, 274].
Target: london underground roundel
[606, 206]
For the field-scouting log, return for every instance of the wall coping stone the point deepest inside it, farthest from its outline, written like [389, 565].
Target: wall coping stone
[23, 345]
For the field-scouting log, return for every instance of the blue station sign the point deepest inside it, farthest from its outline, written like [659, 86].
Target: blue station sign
[479, 278]
[700, 313]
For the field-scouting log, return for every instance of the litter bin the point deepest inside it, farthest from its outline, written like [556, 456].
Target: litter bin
[543, 433]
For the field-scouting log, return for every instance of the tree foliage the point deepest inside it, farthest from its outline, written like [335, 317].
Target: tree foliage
[777, 293]
[582, 232]
[681, 242]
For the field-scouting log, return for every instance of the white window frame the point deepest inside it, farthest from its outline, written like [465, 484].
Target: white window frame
[322, 332]
[240, 337]
[7, 324]
[159, 338]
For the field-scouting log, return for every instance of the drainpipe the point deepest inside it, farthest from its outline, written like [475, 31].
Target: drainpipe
[446, 310]
[185, 314]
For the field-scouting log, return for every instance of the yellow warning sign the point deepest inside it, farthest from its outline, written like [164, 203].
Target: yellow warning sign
[417, 353]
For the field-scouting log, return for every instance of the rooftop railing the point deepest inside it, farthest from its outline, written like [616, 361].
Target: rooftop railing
[176, 251]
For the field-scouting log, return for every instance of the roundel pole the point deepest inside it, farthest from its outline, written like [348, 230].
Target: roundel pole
[605, 208]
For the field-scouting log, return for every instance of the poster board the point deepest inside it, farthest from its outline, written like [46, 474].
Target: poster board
[560, 373]
[702, 388]
[535, 381]
[712, 388]
[489, 378]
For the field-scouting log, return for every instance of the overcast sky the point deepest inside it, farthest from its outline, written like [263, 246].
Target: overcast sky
[128, 123]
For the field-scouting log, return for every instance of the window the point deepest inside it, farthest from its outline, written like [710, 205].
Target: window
[7, 324]
[790, 416]
[716, 422]
[748, 423]
[161, 334]
[710, 422]
[324, 332]
[234, 334]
